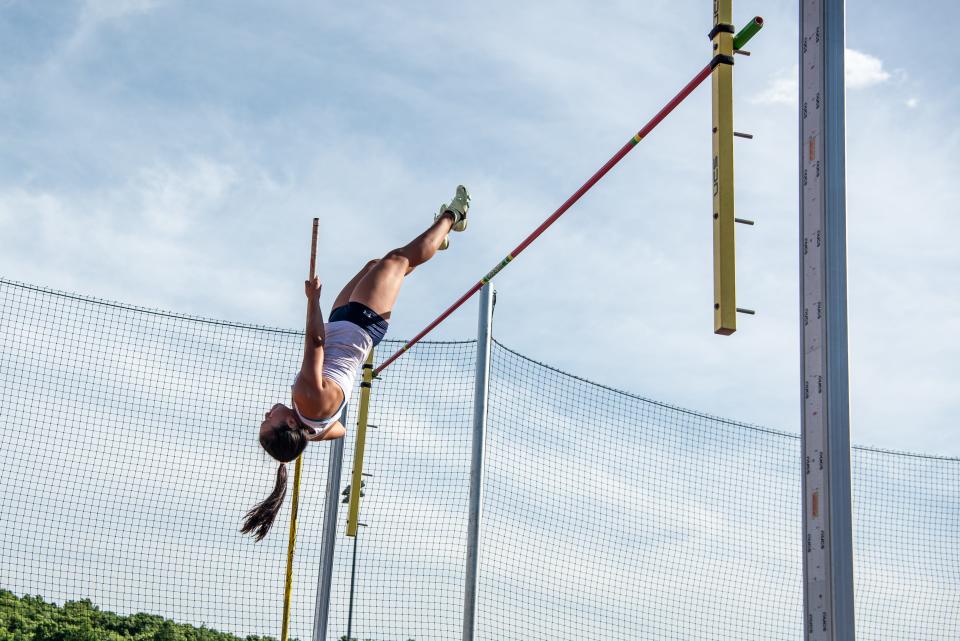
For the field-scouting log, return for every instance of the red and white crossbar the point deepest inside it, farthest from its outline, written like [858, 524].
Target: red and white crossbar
[702, 75]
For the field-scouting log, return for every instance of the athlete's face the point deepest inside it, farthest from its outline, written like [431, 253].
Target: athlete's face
[279, 415]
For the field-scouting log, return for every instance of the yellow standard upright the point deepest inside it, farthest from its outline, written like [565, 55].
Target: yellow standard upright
[724, 271]
[356, 483]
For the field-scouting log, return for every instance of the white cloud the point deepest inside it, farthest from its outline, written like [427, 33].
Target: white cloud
[912, 103]
[171, 198]
[863, 70]
[97, 11]
[782, 89]
[156, 225]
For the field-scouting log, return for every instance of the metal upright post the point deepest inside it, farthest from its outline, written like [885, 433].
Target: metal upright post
[481, 385]
[827, 524]
[329, 538]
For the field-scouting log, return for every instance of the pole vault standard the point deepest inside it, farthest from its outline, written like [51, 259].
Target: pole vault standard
[741, 39]
[723, 56]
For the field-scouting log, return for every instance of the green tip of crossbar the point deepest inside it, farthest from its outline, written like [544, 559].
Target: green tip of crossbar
[749, 31]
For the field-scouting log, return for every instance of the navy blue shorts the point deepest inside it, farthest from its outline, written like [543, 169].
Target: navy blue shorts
[364, 317]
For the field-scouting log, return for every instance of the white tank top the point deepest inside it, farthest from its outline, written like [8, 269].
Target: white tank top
[344, 351]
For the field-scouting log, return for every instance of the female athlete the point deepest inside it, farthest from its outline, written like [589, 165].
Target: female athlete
[334, 352]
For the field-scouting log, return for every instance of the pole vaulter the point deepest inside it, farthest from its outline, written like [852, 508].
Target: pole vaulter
[742, 38]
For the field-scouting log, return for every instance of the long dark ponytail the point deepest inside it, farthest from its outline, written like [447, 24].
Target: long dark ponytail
[285, 445]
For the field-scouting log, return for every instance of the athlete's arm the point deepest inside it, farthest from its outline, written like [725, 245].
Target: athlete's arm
[311, 370]
[335, 431]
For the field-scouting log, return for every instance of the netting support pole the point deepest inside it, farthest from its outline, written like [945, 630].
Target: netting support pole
[321, 612]
[481, 386]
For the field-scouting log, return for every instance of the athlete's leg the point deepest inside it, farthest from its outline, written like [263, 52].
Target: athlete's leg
[378, 289]
[344, 296]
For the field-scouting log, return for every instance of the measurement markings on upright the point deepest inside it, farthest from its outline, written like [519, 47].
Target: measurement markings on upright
[825, 439]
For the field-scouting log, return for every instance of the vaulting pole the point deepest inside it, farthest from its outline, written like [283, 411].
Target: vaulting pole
[702, 75]
[292, 541]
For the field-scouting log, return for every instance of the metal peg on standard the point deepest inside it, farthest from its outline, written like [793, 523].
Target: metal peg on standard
[743, 221]
[740, 134]
[743, 310]
[749, 30]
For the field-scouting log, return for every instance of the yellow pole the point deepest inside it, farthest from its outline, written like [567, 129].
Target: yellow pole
[724, 270]
[357, 479]
[292, 541]
[291, 544]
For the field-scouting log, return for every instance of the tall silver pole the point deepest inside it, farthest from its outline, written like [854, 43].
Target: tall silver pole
[481, 385]
[827, 524]
[321, 612]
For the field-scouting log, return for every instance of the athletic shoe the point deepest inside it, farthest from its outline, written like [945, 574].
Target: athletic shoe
[458, 207]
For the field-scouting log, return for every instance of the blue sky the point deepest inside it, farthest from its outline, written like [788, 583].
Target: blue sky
[171, 154]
